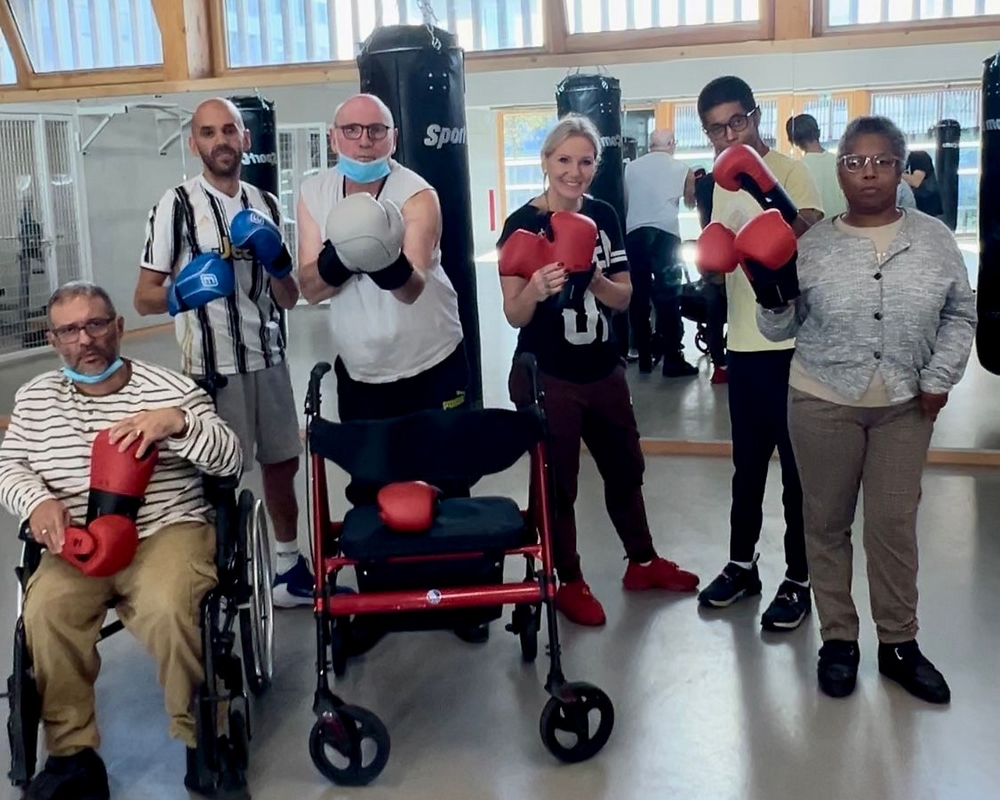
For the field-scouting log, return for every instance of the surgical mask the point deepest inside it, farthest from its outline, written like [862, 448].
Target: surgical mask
[363, 171]
[79, 377]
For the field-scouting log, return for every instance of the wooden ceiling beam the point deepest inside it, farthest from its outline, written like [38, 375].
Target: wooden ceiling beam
[186, 33]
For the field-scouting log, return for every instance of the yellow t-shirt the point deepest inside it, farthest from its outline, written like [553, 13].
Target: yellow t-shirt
[734, 210]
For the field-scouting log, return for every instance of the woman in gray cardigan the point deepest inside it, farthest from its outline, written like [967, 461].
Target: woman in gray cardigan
[884, 327]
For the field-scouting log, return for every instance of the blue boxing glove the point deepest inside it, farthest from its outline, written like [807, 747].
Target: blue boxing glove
[206, 278]
[252, 230]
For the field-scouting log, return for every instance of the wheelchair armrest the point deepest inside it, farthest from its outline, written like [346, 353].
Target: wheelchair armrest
[24, 532]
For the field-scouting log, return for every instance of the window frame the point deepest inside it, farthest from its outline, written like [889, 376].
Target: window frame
[822, 27]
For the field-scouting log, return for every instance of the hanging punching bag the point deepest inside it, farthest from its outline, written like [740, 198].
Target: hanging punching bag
[599, 98]
[948, 132]
[260, 162]
[988, 289]
[419, 72]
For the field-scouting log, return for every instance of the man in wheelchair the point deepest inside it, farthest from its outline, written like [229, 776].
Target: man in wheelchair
[104, 459]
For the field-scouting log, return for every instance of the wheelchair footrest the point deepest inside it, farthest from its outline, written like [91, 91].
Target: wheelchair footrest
[434, 599]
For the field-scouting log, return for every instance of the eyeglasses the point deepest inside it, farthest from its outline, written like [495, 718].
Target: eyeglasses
[856, 163]
[95, 328]
[376, 131]
[737, 123]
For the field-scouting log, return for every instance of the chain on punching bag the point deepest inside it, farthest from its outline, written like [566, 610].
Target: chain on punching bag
[418, 71]
[948, 133]
[260, 162]
[988, 288]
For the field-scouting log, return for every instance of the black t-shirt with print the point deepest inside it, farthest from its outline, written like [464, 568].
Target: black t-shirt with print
[574, 344]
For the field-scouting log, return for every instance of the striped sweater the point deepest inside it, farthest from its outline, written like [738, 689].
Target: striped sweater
[46, 451]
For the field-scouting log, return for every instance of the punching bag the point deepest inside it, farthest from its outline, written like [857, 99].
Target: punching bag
[948, 132]
[599, 98]
[418, 71]
[260, 162]
[988, 288]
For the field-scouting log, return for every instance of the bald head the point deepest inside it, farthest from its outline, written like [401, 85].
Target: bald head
[217, 111]
[663, 139]
[363, 109]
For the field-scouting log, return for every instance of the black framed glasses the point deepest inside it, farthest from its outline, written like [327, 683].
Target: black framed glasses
[856, 163]
[95, 328]
[376, 131]
[736, 123]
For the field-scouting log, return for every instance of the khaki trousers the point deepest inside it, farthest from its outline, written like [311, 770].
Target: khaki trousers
[157, 597]
[839, 449]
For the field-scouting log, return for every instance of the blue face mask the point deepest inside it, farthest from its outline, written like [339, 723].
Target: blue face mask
[79, 377]
[363, 171]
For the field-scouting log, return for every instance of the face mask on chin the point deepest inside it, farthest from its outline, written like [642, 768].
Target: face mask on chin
[363, 171]
[79, 377]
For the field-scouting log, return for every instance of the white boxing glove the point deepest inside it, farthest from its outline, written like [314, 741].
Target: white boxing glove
[366, 233]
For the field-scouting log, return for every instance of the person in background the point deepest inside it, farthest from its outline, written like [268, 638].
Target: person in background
[884, 326]
[803, 131]
[920, 177]
[655, 185]
[714, 289]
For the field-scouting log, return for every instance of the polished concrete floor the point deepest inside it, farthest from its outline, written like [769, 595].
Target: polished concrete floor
[708, 707]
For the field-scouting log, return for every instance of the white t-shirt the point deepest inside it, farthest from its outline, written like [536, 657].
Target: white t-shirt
[654, 186]
[235, 335]
[379, 338]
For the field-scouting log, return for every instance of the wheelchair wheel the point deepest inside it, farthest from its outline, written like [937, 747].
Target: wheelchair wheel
[25, 713]
[701, 340]
[349, 746]
[577, 724]
[525, 622]
[257, 613]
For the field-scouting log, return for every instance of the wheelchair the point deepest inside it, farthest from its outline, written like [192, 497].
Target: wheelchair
[238, 606]
[446, 578]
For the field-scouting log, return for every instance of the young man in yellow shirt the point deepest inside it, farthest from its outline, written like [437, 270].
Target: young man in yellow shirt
[758, 372]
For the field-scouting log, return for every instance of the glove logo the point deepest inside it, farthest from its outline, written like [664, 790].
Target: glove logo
[438, 136]
[208, 281]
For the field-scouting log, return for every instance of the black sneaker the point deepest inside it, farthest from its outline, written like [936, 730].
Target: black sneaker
[199, 778]
[674, 366]
[838, 667]
[81, 776]
[730, 585]
[905, 664]
[789, 607]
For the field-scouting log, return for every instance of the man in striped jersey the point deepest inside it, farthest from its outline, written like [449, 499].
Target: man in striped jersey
[241, 336]
[45, 466]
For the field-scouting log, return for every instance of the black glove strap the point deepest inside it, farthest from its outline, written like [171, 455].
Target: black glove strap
[395, 275]
[331, 269]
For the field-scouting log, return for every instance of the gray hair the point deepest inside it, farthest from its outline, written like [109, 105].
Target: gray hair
[572, 125]
[879, 126]
[74, 289]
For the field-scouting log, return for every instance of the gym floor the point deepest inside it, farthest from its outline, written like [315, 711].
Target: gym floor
[708, 707]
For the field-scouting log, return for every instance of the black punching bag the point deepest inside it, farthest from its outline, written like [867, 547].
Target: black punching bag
[948, 132]
[988, 289]
[419, 72]
[260, 162]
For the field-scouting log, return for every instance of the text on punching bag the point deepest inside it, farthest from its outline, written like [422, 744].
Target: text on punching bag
[438, 136]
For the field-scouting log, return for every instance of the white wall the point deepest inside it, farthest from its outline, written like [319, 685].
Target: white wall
[125, 176]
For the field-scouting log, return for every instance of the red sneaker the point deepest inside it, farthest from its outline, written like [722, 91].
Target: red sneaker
[659, 574]
[578, 605]
[720, 375]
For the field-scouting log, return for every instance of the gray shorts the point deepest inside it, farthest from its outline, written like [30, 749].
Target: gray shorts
[260, 408]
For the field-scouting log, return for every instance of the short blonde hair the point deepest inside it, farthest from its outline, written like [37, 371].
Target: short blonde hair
[572, 125]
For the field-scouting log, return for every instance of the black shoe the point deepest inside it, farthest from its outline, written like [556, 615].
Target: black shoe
[789, 607]
[675, 366]
[474, 634]
[81, 776]
[730, 585]
[198, 778]
[838, 667]
[905, 664]
[646, 363]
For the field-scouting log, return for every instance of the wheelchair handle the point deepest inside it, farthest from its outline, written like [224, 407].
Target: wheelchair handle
[24, 532]
[313, 393]
[211, 383]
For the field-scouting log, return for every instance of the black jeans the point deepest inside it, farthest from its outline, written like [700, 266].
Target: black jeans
[717, 307]
[758, 411]
[443, 386]
[652, 257]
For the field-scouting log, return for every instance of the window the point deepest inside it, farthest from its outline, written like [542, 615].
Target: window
[8, 71]
[523, 135]
[62, 35]
[917, 113]
[302, 152]
[867, 12]
[302, 31]
[831, 114]
[597, 16]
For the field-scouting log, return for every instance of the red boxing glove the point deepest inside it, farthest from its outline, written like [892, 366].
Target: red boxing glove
[574, 242]
[767, 246]
[715, 250]
[524, 253]
[741, 167]
[407, 507]
[103, 548]
[118, 480]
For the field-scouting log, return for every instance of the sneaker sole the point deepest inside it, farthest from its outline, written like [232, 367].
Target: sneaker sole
[708, 603]
[783, 626]
[938, 700]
